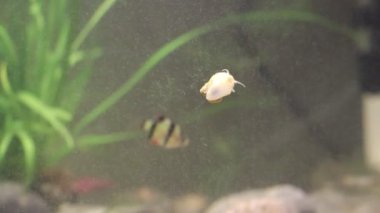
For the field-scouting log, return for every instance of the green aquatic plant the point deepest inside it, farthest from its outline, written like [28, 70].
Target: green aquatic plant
[44, 70]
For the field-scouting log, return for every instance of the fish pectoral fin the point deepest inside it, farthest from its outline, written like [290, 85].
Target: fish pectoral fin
[154, 142]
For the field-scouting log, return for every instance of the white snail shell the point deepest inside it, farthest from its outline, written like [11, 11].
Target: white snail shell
[220, 84]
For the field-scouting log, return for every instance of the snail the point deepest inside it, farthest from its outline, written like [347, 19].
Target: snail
[220, 85]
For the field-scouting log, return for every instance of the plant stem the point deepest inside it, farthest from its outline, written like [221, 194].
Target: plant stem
[99, 13]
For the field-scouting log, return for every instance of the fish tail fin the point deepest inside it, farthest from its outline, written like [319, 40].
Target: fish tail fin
[186, 142]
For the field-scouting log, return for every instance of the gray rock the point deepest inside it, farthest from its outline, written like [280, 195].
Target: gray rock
[330, 200]
[277, 199]
[14, 199]
[81, 208]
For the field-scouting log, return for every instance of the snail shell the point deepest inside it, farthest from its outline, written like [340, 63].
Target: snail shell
[220, 85]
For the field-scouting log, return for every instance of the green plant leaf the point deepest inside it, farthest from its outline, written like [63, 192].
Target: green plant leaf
[29, 154]
[55, 66]
[7, 48]
[5, 142]
[78, 56]
[76, 84]
[171, 46]
[4, 103]
[36, 57]
[56, 18]
[4, 79]
[35, 48]
[91, 140]
[62, 114]
[101, 139]
[48, 114]
[94, 20]
[60, 48]
[36, 12]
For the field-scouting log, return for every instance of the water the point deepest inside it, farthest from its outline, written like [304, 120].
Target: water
[301, 107]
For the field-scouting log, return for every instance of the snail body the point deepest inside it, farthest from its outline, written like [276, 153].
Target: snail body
[221, 84]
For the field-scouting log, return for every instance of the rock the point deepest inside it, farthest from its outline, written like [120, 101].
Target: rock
[141, 209]
[330, 200]
[277, 199]
[81, 208]
[14, 199]
[143, 199]
[190, 203]
[370, 206]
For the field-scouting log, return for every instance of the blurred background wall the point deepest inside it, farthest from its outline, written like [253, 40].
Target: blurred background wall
[302, 96]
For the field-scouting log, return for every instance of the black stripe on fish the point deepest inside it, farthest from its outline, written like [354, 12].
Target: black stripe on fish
[151, 130]
[158, 120]
[169, 133]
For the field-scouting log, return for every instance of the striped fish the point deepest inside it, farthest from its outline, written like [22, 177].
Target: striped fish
[165, 133]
